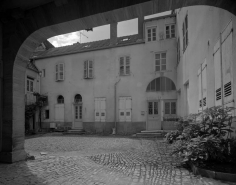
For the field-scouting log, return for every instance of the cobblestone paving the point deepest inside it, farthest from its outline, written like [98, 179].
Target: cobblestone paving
[82, 160]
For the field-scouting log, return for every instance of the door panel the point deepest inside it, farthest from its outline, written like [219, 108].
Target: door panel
[78, 124]
[153, 117]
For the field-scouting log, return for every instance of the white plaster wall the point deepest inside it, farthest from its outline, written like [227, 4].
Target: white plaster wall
[205, 24]
[106, 73]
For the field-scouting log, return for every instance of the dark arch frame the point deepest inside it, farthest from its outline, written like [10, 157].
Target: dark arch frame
[161, 84]
[60, 99]
[23, 32]
[78, 98]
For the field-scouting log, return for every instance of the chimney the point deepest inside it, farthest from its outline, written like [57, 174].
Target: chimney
[113, 33]
[140, 27]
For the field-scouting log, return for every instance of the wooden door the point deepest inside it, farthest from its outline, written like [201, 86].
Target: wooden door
[154, 115]
[78, 123]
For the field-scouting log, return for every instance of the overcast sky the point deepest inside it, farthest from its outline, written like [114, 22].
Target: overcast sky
[129, 27]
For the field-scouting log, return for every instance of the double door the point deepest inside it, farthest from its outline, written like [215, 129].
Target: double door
[78, 123]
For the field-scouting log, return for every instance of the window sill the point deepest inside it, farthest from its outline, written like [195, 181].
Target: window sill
[126, 75]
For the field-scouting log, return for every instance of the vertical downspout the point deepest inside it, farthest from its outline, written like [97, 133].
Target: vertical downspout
[221, 71]
[115, 105]
[201, 88]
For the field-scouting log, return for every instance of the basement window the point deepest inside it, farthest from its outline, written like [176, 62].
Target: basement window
[125, 39]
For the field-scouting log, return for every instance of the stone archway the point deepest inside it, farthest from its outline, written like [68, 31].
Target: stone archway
[21, 32]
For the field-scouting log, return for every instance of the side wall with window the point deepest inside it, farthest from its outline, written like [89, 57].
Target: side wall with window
[200, 61]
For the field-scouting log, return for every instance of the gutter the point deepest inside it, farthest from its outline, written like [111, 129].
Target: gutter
[95, 49]
[114, 131]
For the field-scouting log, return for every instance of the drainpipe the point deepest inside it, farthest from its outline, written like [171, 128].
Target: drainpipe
[114, 132]
[221, 72]
[1, 85]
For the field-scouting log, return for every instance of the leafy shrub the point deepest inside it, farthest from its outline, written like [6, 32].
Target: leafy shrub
[205, 137]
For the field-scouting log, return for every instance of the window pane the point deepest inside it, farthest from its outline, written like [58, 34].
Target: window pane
[121, 61]
[28, 85]
[163, 67]
[150, 108]
[127, 61]
[157, 56]
[168, 84]
[163, 61]
[155, 107]
[173, 107]
[154, 38]
[80, 112]
[153, 85]
[56, 68]
[158, 68]
[121, 70]
[61, 67]
[61, 75]
[163, 55]
[127, 113]
[85, 64]
[149, 31]
[172, 86]
[163, 84]
[90, 64]
[149, 87]
[158, 85]
[157, 62]
[167, 107]
[31, 86]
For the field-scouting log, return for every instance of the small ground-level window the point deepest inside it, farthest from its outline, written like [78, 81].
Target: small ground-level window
[46, 114]
[170, 107]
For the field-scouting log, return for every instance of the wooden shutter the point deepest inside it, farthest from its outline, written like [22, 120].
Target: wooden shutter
[90, 69]
[121, 109]
[97, 110]
[127, 65]
[122, 66]
[61, 71]
[204, 85]
[57, 72]
[128, 109]
[217, 66]
[227, 39]
[85, 69]
[103, 109]
[59, 112]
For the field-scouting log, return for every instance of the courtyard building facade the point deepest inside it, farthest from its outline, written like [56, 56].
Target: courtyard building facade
[177, 64]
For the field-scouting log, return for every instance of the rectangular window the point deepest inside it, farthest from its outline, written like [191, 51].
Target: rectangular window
[125, 109]
[151, 34]
[88, 69]
[170, 107]
[125, 65]
[160, 61]
[170, 31]
[30, 84]
[60, 72]
[185, 33]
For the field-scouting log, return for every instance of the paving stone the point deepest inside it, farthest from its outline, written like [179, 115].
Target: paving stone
[97, 160]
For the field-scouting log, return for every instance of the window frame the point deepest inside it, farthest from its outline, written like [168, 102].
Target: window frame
[125, 66]
[160, 62]
[47, 114]
[170, 102]
[152, 36]
[58, 102]
[30, 87]
[178, 51]
[170, 31]
[59, 72]
[185, 33]
[88, 69]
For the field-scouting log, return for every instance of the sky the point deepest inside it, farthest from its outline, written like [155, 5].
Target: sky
[124, 28]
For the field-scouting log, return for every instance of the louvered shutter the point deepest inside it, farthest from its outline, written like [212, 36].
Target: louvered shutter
[90, 69]
[97, 109]
[59, 112]
[127, 65]
[103, 109]
[57, 76]
[121, 109]
[217, 66]
[85, 69]
[61, 71]
[122, 67]
[227, 38]
[128, 109]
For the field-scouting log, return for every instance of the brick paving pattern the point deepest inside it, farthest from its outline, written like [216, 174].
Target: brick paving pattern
[86, 160]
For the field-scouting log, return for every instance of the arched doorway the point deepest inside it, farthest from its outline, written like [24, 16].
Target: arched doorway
[161, 102]
[24, 31]
[78, 112]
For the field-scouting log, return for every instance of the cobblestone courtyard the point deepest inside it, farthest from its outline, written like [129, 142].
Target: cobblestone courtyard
[97, 160]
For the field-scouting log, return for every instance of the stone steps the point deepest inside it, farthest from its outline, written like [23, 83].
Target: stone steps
[75, 132]
[151, 134]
